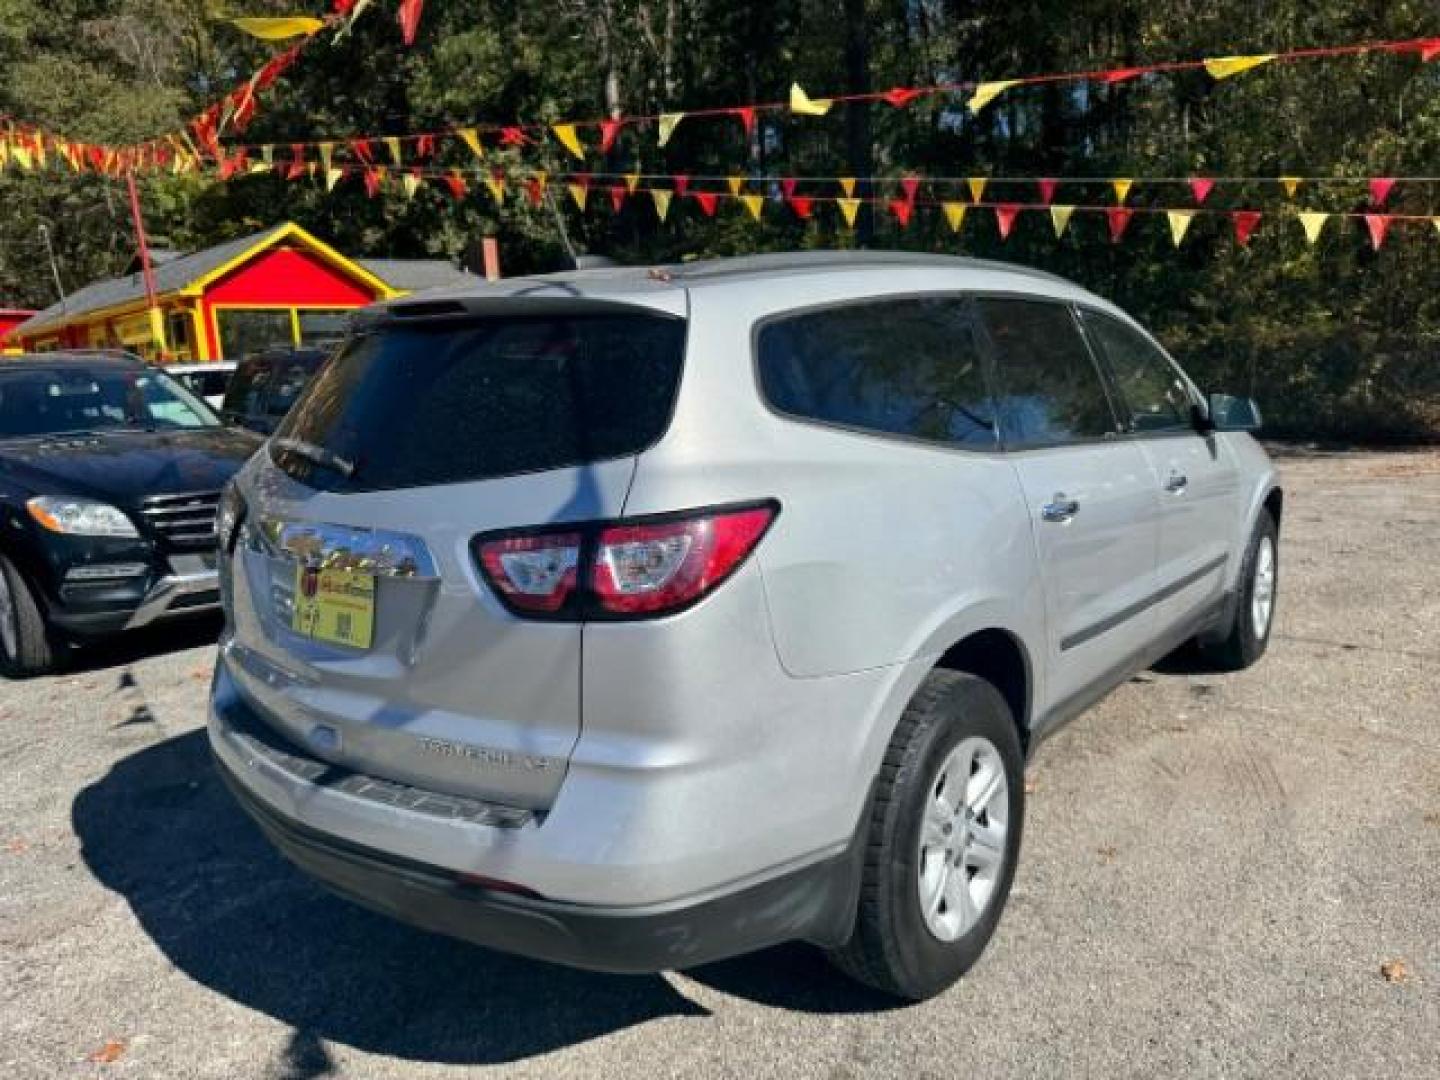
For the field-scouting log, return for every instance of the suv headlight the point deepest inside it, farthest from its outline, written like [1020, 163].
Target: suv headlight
[80, 517]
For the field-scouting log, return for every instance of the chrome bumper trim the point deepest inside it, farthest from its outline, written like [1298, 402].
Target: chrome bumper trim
[162, 598]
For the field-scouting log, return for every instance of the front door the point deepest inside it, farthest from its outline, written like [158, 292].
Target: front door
[1195, 478]
[1090, 492]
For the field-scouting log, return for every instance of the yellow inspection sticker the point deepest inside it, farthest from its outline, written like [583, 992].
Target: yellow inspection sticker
[335, 606]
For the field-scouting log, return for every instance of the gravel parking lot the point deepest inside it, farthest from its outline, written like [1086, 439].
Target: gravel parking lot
[1216, 870]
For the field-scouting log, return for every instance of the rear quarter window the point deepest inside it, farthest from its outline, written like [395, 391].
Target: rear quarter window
[458, 401]
[909, 367]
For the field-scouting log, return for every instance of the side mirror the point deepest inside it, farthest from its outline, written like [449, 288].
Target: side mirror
[1229, 413]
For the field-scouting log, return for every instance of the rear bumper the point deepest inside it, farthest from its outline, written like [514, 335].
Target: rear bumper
[810, 903]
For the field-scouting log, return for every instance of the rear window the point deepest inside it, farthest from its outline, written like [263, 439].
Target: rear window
[461, 401]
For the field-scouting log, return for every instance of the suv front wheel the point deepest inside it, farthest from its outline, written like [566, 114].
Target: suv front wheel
[944, 835]
[25, 646]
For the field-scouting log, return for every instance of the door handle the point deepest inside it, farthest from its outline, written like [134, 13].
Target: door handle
[1177, 483]
[1060, 509]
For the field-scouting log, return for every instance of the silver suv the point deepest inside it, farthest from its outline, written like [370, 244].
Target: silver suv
[637, 618]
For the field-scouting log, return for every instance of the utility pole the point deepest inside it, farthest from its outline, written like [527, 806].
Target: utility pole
[157, 324]
[54, 266]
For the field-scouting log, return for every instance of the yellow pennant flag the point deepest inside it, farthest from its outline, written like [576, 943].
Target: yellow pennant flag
[662, 201]
[569, 139]
[849, 208]
[1223, 67]
[411, 184]
[736, 184]
[1122, 188]
[954, 214]
[257, 167]
[471, 138]
[1179, 224]
[1291, 184]
[1436, 222]
[976, 184]
[579, 192]
[496, 184]
[802, 104]
[985, 93]
[1313, 223]
[393, 145]
[847, 185]
[280, 28]
[332, 177]
[21, 157]
[1060, 219]
[668, 123]
[327, 151]
[632, 181]
[753, 203]
[267, 153]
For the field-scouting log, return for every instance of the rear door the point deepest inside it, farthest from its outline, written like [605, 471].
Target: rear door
[1090, 492]
[407, 446]
[1195, 478]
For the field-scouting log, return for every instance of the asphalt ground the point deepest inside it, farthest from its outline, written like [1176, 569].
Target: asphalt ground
[1218, 874]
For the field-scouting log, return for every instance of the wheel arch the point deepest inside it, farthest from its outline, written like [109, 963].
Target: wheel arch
[999, 657]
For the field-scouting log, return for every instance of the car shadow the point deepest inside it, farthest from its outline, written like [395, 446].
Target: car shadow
[124, 649]
[161, 830]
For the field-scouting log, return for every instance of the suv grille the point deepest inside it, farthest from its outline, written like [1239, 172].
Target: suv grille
[183, 522]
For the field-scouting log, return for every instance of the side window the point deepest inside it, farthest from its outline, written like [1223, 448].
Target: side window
[246, 392]
[1048, 388]
[896, 367]
[1151, 390]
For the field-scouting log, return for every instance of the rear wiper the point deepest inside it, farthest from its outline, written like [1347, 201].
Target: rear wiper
[318, 455]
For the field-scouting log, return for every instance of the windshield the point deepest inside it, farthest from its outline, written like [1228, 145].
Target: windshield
[65, 400]
[470, 400]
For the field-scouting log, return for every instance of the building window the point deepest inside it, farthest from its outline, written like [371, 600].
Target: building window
[248, 330]
[177, 335]
[319, 326]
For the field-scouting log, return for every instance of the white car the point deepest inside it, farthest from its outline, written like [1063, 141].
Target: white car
[204, 380]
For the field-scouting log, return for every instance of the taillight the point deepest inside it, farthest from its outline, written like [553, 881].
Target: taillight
[534, 573]
[622, 569]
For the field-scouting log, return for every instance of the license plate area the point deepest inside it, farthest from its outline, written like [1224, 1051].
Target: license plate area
[334, 605]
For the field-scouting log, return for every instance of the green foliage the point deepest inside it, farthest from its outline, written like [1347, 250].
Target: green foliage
[1336, 339]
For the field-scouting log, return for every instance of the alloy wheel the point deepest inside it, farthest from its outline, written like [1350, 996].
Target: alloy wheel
[962, 838]
[1262, 592]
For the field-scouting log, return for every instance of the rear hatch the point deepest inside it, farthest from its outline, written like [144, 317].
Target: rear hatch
[360, 622]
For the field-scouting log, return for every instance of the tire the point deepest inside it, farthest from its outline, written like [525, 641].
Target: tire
[26, 647]
[895, 947]
[1245, 640]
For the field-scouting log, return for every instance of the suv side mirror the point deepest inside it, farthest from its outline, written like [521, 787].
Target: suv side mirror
[1230, 413]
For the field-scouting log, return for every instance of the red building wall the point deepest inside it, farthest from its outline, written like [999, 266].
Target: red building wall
[281, 277]
[9, 319]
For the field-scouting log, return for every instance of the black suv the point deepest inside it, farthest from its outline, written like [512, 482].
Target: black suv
[110, 472]
[266, 384]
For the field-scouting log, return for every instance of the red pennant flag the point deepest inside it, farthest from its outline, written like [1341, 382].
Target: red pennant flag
[297, 162]
[747, 119]
[1119, 219]
[1428, 48]
[682, 184]
[1005, 215]
[911, 186]
[228, 165]
[1379, 225]
[902, 208]
[1048, 188]
[410, 19]
[372, 181]
[425, 146]
[708, 201]
[900, 96]
[617, 197]
[1201, 188]
[453, 180]
[1118, 75]
[787, 185]
[534, 190]
[1245, 222]
[513, 136]
[801, 204]
[361, 149]
[1380, 188]
[609, 130]
[342, 7]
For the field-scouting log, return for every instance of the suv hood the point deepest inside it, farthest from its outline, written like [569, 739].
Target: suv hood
[126, 467]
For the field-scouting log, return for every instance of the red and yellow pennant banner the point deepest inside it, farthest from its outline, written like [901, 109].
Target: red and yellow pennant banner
[783, 194]
[582, 138]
